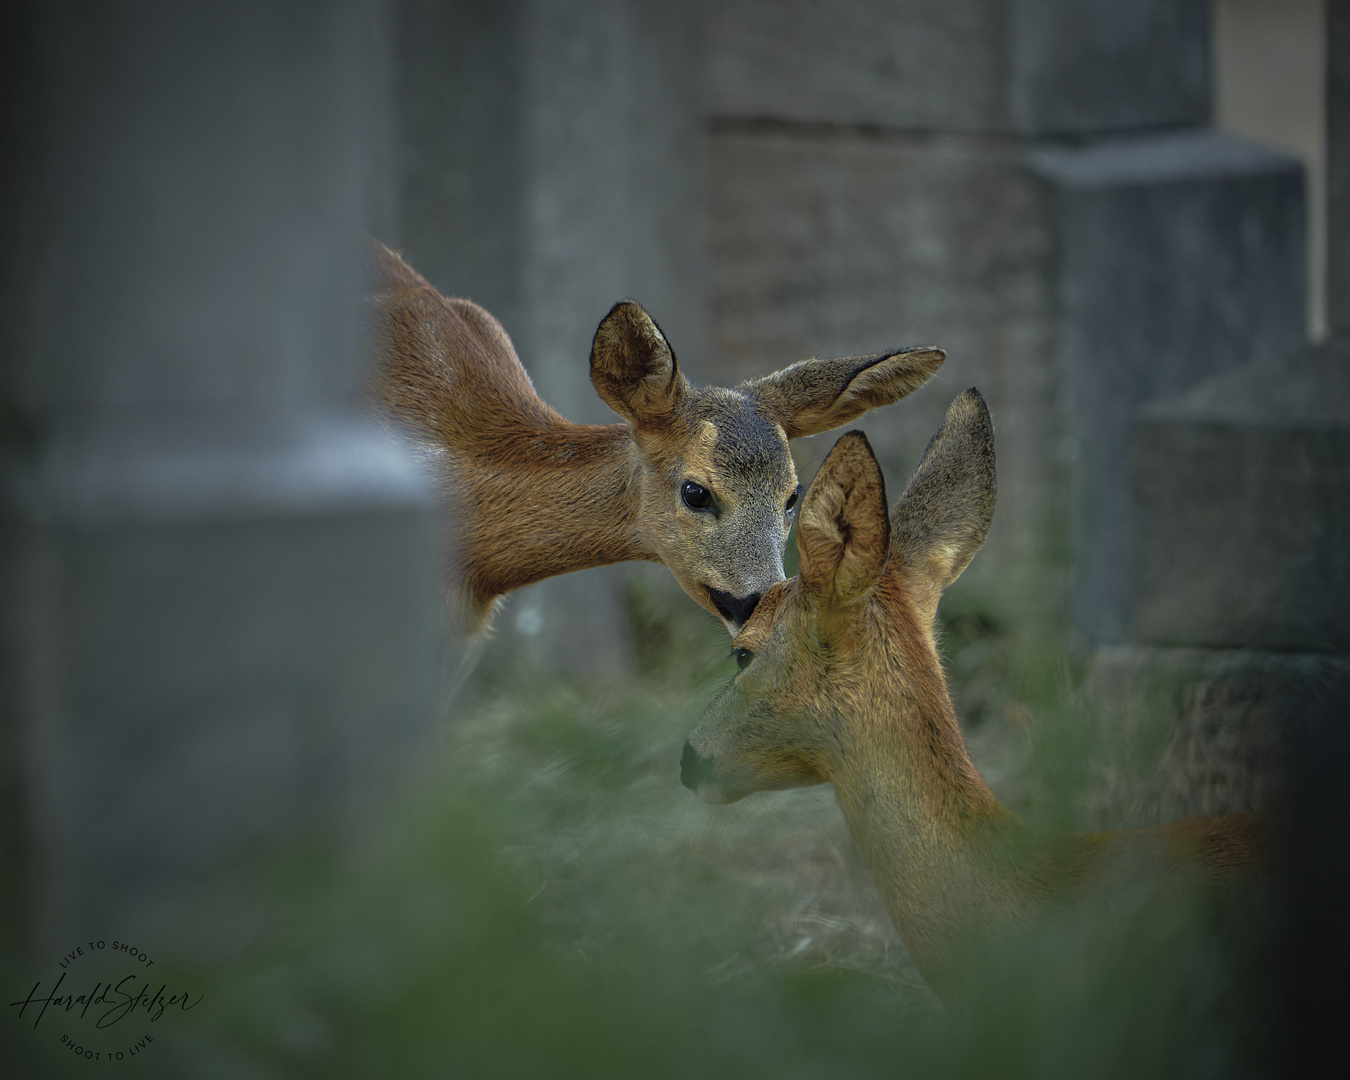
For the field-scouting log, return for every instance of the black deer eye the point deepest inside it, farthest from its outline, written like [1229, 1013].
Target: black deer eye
[743, 658]
[695, 496]
[792, 500]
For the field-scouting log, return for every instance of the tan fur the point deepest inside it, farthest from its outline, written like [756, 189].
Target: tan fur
[844, 686]
[532, 495]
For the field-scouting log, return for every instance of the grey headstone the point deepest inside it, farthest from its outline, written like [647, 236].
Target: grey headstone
[1244, 508]
[1178, 256]
[218, 602]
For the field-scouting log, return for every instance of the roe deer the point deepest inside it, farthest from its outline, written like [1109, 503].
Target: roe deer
[840, 682]
[698, 478]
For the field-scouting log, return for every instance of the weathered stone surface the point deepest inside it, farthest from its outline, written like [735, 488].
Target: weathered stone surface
[847, 243]
[1102, 65]
[217, 596]
[1179, 256]
[923, 65]
[1218, 729]
[1027, 66]
[1244, 508]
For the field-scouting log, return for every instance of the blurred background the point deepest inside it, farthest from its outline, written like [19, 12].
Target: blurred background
[231, 725]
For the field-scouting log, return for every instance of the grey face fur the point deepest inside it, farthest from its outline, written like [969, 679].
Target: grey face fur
[740, 457]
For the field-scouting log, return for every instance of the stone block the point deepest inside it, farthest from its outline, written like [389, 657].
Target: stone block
[1031, 67]
[1179, 256]
[549, 163]
[218, 594]
[839, 243]
[1244, 508]
[202, 670]
[1218, 729]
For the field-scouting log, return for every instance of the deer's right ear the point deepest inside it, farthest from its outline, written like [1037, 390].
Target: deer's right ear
[816, 395]
[944, 515]
[843, 534]
[633, 368]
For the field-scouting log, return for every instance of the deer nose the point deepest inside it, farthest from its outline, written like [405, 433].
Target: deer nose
[694, 769]
[734, 608]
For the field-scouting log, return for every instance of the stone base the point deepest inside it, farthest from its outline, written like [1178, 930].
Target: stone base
[1202, 731]
[1244, 508]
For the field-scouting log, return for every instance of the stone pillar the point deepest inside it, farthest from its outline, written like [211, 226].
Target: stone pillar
[549, 165]
[218, 611]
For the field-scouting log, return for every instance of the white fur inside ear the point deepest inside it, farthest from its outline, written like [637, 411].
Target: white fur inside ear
[942, 560]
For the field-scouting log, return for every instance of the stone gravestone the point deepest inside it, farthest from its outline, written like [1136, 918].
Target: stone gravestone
[216, 612]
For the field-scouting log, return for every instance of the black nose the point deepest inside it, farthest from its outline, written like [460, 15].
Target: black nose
[693, 768]
[735, 608]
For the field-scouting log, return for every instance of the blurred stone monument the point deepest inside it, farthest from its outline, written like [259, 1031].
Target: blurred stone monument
[214, 571]
[1241, 597]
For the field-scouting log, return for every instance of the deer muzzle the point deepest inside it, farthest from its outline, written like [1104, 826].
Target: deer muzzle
[694, 768]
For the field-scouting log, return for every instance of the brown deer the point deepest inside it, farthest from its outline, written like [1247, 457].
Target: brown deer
[840, 682]
[698, 478]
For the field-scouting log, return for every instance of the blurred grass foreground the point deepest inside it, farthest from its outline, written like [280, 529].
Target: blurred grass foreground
[549, 902]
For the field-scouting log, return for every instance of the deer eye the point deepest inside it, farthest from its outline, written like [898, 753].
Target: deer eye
[743, 658]
[695, 496]
[792, 500]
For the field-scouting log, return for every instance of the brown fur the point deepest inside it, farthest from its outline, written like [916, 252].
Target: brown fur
[533, 495]
[845, 687]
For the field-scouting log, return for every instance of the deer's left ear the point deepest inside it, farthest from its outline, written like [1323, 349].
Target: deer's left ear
[843, 534]
[816, 395]
[633, 367]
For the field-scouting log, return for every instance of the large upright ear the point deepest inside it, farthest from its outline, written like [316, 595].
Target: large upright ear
[387, 272]
[633, 368]
[816, 395]
[843, 535]
[943, 517]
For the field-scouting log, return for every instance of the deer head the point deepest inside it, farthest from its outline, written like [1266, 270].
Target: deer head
[717, 486]
[830, 656]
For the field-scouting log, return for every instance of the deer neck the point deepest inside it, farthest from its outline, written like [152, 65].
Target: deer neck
[544, 501]
[946, 855]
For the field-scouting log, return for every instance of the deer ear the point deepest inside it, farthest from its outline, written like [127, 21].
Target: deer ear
[816, 395]
[944, 515]
[633, 368]
[843, 535]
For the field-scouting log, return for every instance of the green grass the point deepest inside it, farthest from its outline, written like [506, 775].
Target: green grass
[548, 901]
